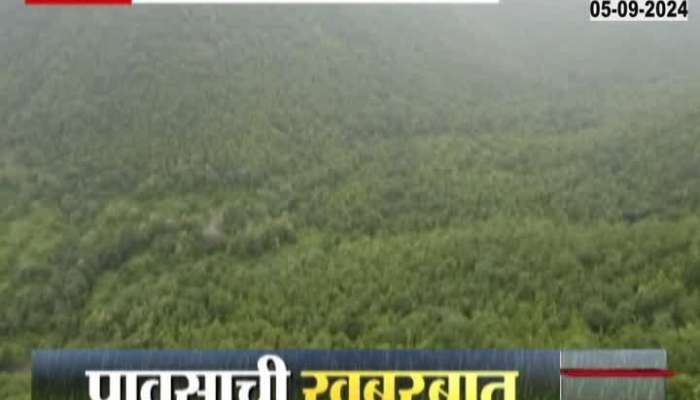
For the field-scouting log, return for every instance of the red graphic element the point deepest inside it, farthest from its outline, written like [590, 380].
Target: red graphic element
[616, 373]
[77, 2]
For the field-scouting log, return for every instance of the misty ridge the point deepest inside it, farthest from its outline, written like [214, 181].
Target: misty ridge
[476, 176]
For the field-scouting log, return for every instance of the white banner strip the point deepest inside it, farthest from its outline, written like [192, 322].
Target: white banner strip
[315, 2]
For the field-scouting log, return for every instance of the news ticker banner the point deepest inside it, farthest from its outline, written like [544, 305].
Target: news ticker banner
[203, 2]
[349, 375]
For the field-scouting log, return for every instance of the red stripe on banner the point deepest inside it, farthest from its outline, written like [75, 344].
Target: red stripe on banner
[616, 373]
[77, 2]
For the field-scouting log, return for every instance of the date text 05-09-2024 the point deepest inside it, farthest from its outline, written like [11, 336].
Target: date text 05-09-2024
[651, 9]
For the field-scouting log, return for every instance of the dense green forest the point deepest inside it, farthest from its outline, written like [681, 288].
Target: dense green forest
[347, 176]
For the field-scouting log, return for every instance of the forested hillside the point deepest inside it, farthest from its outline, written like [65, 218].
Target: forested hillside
[432, 177]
